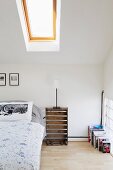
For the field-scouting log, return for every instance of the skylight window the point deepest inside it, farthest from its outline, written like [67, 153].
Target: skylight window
[40, 20]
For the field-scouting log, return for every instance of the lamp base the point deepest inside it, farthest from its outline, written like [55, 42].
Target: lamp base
[56, 107]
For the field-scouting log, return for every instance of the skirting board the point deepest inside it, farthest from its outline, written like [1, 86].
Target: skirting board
[78, 138]
[111, 154]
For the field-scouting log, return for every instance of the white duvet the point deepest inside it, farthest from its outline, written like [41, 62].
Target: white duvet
[20, 145]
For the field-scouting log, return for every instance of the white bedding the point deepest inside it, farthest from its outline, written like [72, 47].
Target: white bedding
[20, 145]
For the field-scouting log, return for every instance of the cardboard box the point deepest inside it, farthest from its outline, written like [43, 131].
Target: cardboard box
[106, 146]
[90, 130]
[100, 140]
[102, 132]
[97, 134]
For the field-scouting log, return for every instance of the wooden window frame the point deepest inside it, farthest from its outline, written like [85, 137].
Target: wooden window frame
[33, 38]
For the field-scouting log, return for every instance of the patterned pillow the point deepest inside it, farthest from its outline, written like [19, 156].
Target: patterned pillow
[14, 111]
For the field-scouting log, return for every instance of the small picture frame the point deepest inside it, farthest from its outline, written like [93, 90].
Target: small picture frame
[14, 79]
[2, 79]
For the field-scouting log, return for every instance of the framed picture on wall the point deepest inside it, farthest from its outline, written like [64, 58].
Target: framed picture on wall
[14, 79]
[2, 79]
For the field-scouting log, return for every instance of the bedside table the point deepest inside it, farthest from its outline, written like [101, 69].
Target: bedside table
[56, 126]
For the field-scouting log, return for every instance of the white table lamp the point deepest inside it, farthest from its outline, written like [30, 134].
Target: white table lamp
[56, 85]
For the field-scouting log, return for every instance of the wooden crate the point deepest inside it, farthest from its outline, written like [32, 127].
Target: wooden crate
[56, 126]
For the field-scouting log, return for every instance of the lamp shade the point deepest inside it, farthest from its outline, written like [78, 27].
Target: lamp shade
[56, 84]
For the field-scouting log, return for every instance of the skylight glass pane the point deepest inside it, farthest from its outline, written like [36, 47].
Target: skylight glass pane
[40, 13]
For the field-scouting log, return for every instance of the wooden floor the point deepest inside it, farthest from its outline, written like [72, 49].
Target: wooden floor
[75, 156]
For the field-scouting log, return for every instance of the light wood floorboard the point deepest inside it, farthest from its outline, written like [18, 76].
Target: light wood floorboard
[75, 156]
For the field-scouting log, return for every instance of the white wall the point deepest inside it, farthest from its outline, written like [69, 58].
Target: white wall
[80, 89]
[108, 76]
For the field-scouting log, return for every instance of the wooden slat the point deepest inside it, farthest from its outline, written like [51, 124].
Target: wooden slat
[56, 118]
[56, 136]
[56, 126]
[57, 109]
[56, 122]
[56, 113]
[60, 138]
[56, 141]
[56, 131]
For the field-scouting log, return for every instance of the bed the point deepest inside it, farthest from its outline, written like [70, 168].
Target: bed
[21, 136]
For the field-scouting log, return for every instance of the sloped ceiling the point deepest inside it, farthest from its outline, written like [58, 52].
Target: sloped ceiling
[86, 34]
